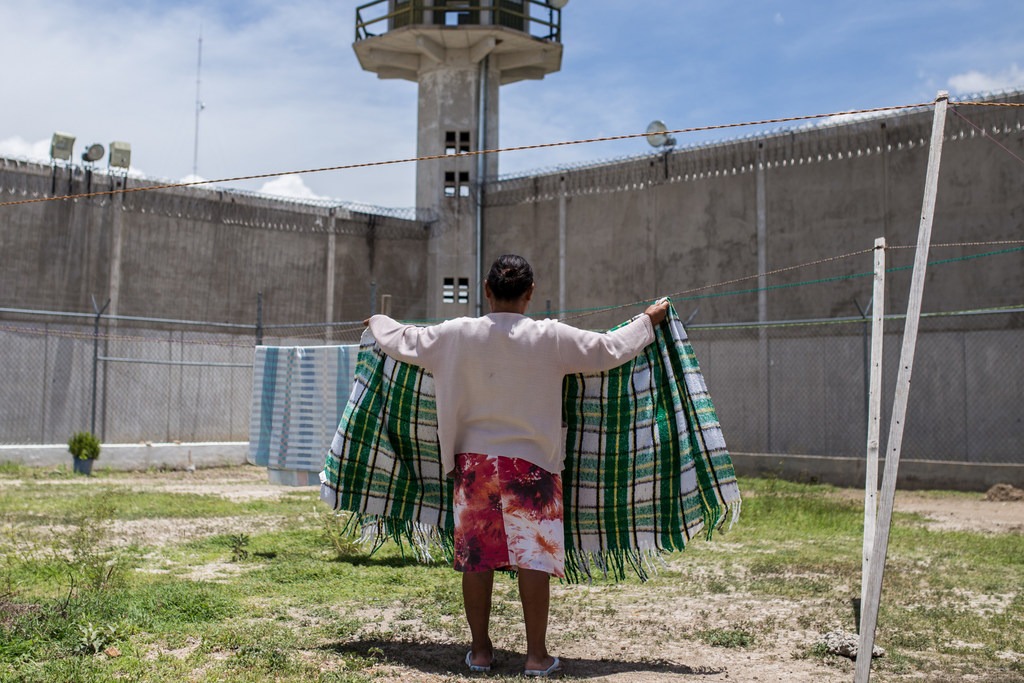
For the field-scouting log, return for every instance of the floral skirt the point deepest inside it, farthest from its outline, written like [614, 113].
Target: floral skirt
[508, 515]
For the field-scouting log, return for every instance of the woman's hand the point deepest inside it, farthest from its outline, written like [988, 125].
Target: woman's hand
[657, 311]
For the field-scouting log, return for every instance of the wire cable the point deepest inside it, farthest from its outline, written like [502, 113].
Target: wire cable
[985, 134]
[520, 148]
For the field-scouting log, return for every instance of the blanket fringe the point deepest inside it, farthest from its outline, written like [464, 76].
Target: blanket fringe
[716, 516]
[426, 541]
[581, 566]
[422, 541]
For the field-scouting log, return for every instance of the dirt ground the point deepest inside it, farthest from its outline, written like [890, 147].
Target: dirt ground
[617, 654]
[620, 651]
[1000, 510]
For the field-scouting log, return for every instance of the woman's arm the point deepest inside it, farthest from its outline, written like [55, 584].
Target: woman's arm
[408, 343]
[584, 351]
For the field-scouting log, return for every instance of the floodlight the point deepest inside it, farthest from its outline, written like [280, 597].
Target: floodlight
[120, 154]
[93, 152]
[61, 145]
[558, 4]
[657, 135]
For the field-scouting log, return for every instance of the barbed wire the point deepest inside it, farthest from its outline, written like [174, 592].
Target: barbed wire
[985, 135]
[519, 148]
[987, 104]
[985, 243]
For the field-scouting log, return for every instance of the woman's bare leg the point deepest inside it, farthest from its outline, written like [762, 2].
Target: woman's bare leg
[476, 595]
[535, 594]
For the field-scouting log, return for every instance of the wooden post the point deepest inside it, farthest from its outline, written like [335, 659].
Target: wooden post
[869, 620]
[874, 419]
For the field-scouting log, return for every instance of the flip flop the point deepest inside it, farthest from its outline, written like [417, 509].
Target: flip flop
[555, 667]
[476, 668]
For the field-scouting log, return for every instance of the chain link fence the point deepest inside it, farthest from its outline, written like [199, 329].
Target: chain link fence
[794, 388]
[802, 388]
[135, 380]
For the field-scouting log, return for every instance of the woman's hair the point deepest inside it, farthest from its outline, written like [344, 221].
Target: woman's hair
[510, 277]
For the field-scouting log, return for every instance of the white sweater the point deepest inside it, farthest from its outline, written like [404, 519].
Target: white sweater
[498, 378]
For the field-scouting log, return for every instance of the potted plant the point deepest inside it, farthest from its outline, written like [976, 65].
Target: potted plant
[84, 448]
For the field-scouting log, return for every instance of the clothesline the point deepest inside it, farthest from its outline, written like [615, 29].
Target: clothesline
[345, 328]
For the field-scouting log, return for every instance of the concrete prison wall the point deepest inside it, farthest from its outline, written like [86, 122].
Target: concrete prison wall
[196, 254]
[683, 220]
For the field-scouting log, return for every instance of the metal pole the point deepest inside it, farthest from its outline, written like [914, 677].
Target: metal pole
[874, 412]
[561, 248]
[873, 595]
[865, 358]
[481, 171]
[763, 343]
[95, 357]
[259, 318]
[331, 247]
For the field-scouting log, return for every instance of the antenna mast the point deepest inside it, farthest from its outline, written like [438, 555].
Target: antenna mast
[199, 107]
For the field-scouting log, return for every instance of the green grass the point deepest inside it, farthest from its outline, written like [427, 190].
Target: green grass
[291, 604]
[34, 497]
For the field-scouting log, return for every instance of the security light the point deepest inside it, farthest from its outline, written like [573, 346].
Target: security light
[657, 135]
[61, 145]
[93, 152]
[120, 154]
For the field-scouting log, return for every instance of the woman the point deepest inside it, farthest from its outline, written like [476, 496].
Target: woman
[498, 384]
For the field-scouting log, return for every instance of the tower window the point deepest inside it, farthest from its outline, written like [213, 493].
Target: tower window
[456, 12]
[456, 142]
[449, 294]
[456, 184]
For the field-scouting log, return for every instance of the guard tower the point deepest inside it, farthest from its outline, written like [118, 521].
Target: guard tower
[459, 52]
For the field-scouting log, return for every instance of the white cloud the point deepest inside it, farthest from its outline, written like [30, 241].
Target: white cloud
[19, 148]
[282, 87]
[289, 186]
[975, 81]
[779, 20]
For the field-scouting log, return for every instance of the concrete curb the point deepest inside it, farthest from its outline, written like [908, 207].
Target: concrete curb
[913, 474]
[133, 457]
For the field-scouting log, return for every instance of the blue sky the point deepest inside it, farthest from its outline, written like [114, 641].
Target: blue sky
[283, 90]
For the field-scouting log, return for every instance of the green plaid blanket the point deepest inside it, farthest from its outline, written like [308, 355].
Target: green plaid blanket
[646, 466]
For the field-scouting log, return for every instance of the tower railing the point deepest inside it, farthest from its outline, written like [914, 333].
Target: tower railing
[535, 17]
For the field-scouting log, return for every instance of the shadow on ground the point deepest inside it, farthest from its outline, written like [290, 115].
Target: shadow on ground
[447, 658]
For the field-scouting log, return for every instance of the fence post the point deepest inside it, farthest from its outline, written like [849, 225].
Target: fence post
[95, 356]
[873, 595]
[866, 356]
[874, 411]
[259, 318]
